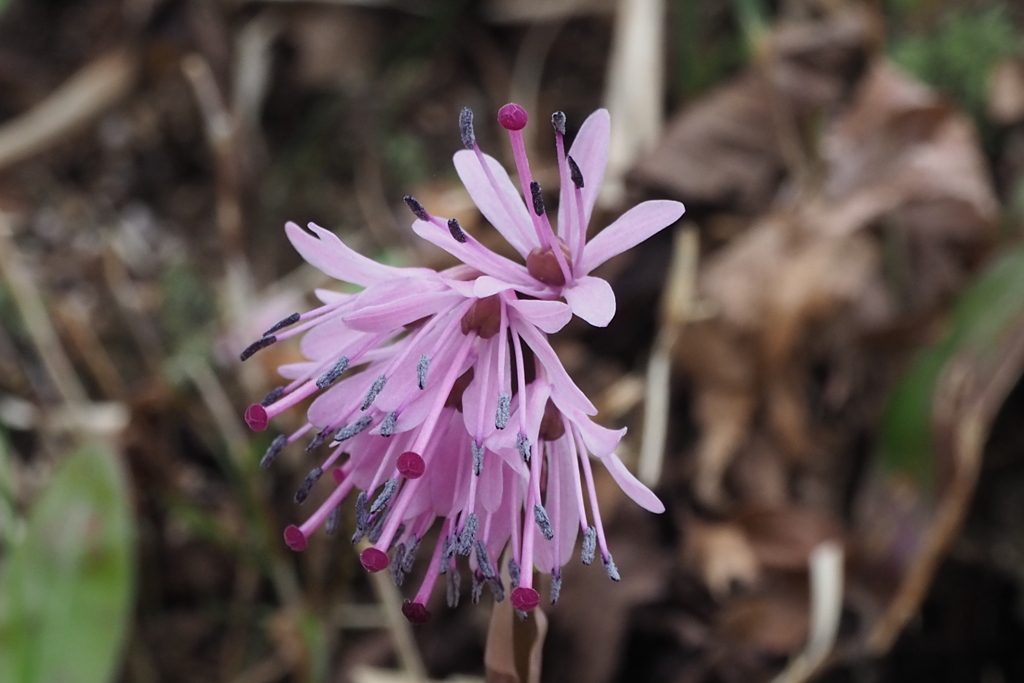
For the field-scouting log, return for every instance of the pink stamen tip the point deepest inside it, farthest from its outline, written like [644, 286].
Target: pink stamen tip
[512, 117]
[337, 475]
[411, 465]
[295, 539]
[525, 599]
[415, 612]
[256, 417]
[374, 560]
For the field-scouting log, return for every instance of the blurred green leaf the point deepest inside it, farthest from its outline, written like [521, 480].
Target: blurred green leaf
[7, 484]
[982, 321]
[66, 593]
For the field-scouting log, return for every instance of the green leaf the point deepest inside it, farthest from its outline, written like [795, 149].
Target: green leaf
[66, 592]
[980, 326]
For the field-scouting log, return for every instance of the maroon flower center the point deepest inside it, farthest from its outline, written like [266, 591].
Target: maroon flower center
[484, 317]
[542, 264]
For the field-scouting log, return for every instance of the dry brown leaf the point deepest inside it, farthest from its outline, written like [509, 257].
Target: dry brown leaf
[721, 554]
[783, 538]
[514, 645]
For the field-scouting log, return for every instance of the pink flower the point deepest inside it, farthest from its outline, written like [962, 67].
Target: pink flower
[556, 264]
[439, 397]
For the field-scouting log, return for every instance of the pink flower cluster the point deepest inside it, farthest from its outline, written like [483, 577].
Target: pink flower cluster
[438, 394]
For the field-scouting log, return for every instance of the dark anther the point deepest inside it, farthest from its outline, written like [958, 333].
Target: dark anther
[541, 515]
[333, 519]
[478, 587]
[556, 585]
[483, 560]
[331, 376]
[558, 122]
[257, 345]
[478, 457]
[311, 478]
[319, 439]
[513, 573]
[385, 496]
[456, 230]
[504, 406]
[276, 446]
[454, 583]
[290, 320]
[410, 554]
[387, 425]
[362, 518]
[421, 371]
[416, 208]
[574, 173]
[468, 536]
[275, 393]
[609, 566]
[466, 128]
[397, 575]
[538, 199]
[378, 526]
[371, 395]
[589, 545]
[348, 431]
[523, 444]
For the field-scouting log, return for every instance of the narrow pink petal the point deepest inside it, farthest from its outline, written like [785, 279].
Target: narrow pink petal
[564, 392]
[489, 495]
[549, 316]
[592, 299]
[330, 255]
[485, 286]
[402, 310]
[474, 254]
[590, 152]
[599, 440]
[631, 228]
[516, 228]
[632, 486]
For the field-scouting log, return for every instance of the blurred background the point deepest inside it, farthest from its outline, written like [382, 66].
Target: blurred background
[820, 367]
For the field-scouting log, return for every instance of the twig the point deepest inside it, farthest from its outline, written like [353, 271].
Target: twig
[677, 307]
[40, 328]
[83, 97]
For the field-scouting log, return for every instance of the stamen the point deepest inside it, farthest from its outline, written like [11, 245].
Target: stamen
[259, 344]
[398, 535]
[466, 128]
[575, 173]
[468, 535]
[456, 230]
[387, 425]
[497, 589]
[397, 575]
[276, 446]
[556, 585]
[478, 457]
[333, 519]
[371, 395]
[558, 122]
[512, 117]
[523, 444]
[538, 198]
[416, 208]
[513, 572]
[348, 431]
[504, 410]
[478, 587]
[377, 529]
[421, 371]
[483, 560]
[331, 376]
[589, 545]
[385, 496]
[312, 478]
[272, 397]
[362, 518]
[454, 584]
[290, 320]
[410, 554]
[541, 516]
[609, 566]
[318, 440]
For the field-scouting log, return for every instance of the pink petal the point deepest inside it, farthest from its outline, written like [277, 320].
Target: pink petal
[489, 493]
[485, 286]
[592, 299]
[590, 152]
[564, 392]
[631, 228]
[330, 255]
[549, 316]
[631, 486]
[517, 228]
[402, 310]
[599, 440]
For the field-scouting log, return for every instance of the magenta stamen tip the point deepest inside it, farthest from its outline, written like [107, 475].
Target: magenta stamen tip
[256, 417]
[337, 475]
[415, 612]
[411, 465]
[512, 117]
[525, 599]
[295, 539]
[374, 560]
